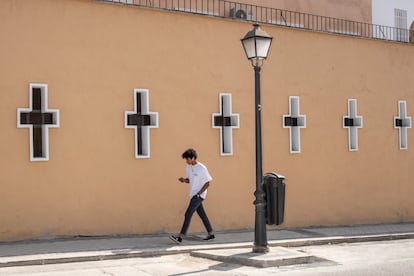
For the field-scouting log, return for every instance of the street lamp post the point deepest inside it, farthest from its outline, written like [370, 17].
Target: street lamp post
[256, 44]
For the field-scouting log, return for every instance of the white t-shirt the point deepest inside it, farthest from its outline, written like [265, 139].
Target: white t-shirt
[198, 176]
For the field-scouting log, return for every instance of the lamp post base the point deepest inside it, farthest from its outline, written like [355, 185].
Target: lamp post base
[260, 249]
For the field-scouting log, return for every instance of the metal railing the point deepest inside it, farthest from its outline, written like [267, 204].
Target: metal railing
[272, 16]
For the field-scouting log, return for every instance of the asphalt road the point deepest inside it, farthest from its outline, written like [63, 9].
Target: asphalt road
[372, 258]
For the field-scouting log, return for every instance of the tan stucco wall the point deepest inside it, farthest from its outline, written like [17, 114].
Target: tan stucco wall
[92, 55]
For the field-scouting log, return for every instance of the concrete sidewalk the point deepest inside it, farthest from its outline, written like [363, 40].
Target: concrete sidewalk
[106, 248]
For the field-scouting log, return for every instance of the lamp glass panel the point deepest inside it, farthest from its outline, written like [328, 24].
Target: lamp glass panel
[263, 45]
[249, 47]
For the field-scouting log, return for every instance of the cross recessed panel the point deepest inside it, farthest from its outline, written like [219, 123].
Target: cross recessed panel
[352, 122]
[226, 121]
[294, 121]
[402, 122]
[38, 118]
[141, 120]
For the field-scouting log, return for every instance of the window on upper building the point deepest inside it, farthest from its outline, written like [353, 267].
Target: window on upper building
[401, 32]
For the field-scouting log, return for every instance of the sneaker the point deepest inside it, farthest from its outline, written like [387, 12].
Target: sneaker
[176, 239]
[209, 237]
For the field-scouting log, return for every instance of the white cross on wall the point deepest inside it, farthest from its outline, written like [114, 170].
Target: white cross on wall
[402, 122]
[226, 120]
[352, 122]
[38, 118]
[294, 121]
[141, 120]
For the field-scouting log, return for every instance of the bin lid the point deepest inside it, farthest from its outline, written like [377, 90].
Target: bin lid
[276, 174]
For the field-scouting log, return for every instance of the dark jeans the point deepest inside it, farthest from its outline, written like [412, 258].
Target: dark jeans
[196, 204]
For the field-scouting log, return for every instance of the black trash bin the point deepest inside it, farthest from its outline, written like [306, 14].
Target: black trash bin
[274, 188]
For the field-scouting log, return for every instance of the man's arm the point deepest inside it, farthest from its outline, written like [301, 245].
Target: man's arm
[205, 186]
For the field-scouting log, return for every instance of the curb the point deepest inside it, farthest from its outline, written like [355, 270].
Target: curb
[342, 239]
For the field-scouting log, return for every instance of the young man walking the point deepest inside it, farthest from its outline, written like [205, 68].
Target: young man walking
[199, 179]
